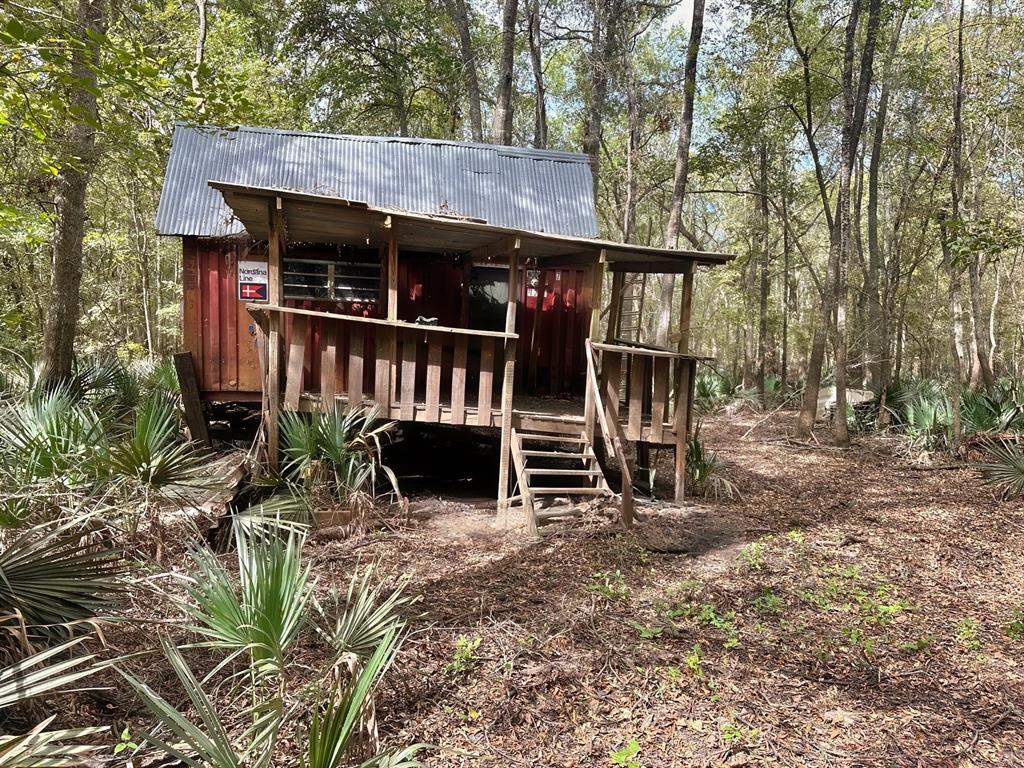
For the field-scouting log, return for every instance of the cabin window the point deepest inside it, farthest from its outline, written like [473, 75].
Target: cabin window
[332, 280]
[488, 298]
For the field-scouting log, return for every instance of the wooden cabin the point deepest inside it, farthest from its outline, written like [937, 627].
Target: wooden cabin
[445, 282]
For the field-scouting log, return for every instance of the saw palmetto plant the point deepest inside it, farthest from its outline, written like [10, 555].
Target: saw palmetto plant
[259, 619]
[47, 671]
[55, 581]
[263, 615]
[1005, 467]
[340, 449]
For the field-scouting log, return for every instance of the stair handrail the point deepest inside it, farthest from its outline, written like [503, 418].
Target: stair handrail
[613, 436]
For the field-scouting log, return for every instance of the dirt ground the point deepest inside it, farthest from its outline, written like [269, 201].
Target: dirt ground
[851, 609]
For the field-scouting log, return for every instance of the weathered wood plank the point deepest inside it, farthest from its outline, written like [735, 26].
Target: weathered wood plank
[433, 378]
[507, 385]
[611, 379]
[328, 362]
[296, 359]
[638, 385]
[195, 418]
[385, 348]
[459, 381]
[681, 417]
[519, 462]
[355, 365]
[660, 401]
[409, 343]
[484, 394]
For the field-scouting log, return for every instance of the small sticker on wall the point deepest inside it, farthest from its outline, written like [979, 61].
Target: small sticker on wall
[253, 281]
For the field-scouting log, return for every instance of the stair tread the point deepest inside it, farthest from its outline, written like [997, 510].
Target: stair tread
[573, 472]
[540, 437]
[557, 454]
[582, 491]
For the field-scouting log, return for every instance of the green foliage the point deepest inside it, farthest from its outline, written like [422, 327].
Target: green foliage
[1015, 626]
[366, 616]
[153, 454]
[44, 672]
[338, 451]
[464, 659]
[54, 580]
[264, 615]
[705, 473]
[723, 622]
[1005, 467]
[966, 632]
[627, 756]
[611, 585]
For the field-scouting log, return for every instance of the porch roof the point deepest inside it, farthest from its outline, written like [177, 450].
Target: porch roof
[323, 218]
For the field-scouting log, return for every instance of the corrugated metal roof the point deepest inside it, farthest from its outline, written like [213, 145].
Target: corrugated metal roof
[537, 190]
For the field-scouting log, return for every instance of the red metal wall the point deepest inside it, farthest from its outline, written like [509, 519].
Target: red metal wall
[222, 337]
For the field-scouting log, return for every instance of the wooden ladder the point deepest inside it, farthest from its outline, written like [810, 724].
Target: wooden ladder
[551, 467]
[632, 310]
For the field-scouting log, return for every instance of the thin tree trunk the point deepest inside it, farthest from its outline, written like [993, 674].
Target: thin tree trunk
[540, 111]
[69, 230]
[600, 47]
[632, 148]
[764, 284]
[460, 16]
[502, 129]
[682, 169]
[877, 339]
[197, 88]
[786, 290]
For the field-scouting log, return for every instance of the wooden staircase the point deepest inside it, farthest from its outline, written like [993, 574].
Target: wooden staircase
[555, 473]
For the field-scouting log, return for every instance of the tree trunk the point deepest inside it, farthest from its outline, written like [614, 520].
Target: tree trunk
[877, 338]
[69, 229]
[460, 16]
[786, 290]
[540, 112]
[502, 129]
[197, 89]
[764, 284]
[593, 119]
[632, 149]
[682, 169]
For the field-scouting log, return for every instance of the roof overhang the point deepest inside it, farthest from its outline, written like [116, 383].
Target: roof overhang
[326, 219]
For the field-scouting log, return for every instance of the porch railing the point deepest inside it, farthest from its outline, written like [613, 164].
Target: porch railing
[412, 372]
[658, 386]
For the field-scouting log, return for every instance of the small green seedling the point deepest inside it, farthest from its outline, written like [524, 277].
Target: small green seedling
[967, 634]
[627, 756]
[465, 658]
[646, 631]
[125, 742]
[611, 585]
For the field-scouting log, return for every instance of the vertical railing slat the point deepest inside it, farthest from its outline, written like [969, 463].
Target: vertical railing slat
[296, 358]
[433, 378]
[660, 399]
[328, 362]
[355, 365]
[459, 381]
[409, 343]
[484, 395]
[638, 385]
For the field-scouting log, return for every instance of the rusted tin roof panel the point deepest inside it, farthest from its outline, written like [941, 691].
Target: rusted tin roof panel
[536, 190]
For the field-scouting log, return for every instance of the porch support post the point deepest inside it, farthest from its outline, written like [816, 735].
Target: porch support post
[686, 308]
[508, 380]
[596, 291]
[682, 423]
[390, 336]
[275, 295]
[615, 306]
[684, 385]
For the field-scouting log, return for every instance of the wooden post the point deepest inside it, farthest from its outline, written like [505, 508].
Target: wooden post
[596, 289]
[615, 306]
[195, 418]
[682, 414]
[687, 370]
[275, 294]
[390, 335]
[686, 308]
[508, 381]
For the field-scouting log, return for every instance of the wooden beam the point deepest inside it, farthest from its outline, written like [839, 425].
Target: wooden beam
[685, 311]
[392, 278]
[508, 379]
[499, 247]
[195, 417]
[571, 259]
[615, 306]
[275, 294]
[296, 362]
[686, 369]
[666, 267]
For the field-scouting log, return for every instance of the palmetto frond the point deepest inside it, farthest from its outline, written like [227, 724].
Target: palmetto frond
[366, 616]
[1005, 467]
